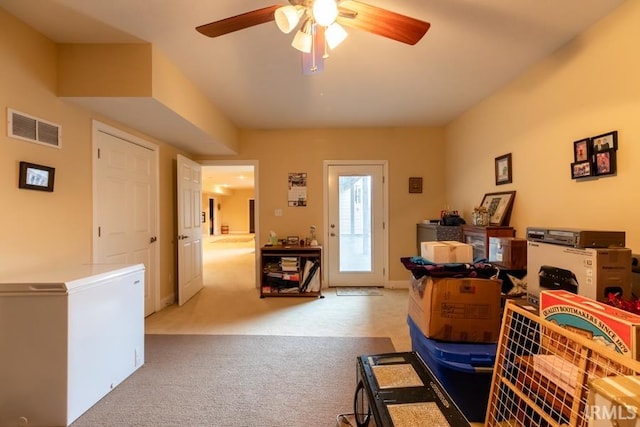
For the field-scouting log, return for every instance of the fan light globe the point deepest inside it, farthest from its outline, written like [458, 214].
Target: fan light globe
[288, 17]
[303, 40]
[334, 35]
[325, 12]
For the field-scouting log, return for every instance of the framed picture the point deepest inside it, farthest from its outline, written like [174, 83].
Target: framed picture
[581, 169]
[499, 206]
[606, 141]
[36, 177]
[605, 162]
[293, 240]
[415, 184]
[582, 150]
[503, 169]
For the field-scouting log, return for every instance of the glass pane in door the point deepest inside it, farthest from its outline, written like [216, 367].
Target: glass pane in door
[355, 223]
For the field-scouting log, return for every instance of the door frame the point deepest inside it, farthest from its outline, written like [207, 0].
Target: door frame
[385, 210]
[97, 127]
[256, 192]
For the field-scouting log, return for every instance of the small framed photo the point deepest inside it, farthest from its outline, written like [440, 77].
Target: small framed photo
[36, 177]
[605, 162]
[415, 184]
[293, 240]
[581, 169]
[503, 169]
[582, 150]
[606, 141]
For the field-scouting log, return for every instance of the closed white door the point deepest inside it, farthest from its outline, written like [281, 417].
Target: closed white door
[189, 237]
[125, 205]
[355, 224]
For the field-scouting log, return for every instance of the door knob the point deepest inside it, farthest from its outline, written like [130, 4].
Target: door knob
[153, 239]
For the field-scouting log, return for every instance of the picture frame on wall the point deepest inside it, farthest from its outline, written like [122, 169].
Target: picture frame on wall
[415, 184]
[581, 169]
[606, 141]
[36, 177]
[503, 169]
[499, 206]
[582, 150]
[605, 162]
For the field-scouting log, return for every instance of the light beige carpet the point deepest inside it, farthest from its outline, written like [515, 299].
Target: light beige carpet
[237, 380]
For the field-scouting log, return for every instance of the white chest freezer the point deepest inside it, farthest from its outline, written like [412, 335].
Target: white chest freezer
[67, 338]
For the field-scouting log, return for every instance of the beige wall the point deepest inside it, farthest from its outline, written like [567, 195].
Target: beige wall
[410, 152]
[587, 88]
[233, 212]
[51, 230]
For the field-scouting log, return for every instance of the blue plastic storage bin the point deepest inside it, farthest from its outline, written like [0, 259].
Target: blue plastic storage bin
[463, 369]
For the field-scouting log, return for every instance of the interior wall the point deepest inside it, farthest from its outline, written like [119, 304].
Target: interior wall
[235, 210]
[53, 230]
[587, 88]
[411, 152]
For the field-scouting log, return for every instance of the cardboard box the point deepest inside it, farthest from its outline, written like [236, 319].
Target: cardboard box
[602, 323]
[590, 272]
[456, 309]
[614, 401]
[446, 251]
[508, 252]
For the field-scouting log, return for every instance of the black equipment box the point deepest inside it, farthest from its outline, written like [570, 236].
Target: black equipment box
[399, 390]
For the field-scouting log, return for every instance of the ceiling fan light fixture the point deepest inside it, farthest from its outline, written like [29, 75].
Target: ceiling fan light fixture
[325, 12]
[334, 35]
[288, 17]
[303, 40]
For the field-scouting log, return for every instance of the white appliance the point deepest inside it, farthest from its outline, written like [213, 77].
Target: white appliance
[67, 338]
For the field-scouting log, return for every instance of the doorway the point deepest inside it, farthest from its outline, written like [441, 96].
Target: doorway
[355, 223]
[231, 192]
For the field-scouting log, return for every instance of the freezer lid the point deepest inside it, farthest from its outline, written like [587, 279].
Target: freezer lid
[62, 281]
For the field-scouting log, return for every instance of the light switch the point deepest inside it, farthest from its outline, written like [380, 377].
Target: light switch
[278, 212]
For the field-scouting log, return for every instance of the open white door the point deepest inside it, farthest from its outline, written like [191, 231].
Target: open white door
[189, 237]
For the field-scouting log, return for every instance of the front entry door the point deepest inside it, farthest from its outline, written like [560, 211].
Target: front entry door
[355, 226]
[189, 237]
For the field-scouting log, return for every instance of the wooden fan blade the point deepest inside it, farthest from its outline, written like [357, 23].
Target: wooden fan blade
[238, 22]
[382, 22]
[313, 62]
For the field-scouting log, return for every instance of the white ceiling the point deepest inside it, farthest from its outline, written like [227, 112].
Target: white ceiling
[254, 76]
[218, 179]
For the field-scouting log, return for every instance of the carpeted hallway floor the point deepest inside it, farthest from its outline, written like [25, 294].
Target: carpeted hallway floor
[230, 304]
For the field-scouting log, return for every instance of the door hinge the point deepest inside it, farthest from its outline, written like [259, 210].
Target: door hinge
[99, 231]
[98, 154]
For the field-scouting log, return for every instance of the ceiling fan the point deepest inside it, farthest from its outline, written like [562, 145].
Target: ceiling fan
[322, 23]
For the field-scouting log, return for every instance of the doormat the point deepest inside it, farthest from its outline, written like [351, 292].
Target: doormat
[367, 291]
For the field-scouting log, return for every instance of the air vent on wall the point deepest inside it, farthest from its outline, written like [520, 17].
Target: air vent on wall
[32, 129]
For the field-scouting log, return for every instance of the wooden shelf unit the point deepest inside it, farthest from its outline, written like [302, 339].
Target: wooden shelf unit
[542, 372]
[270, 261]
[478, 237]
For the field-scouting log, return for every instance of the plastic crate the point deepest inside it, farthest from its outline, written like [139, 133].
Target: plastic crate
[463, 369]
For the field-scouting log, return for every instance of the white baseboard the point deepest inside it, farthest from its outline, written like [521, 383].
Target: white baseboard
[397, 284]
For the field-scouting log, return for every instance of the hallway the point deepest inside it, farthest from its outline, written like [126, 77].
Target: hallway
[231, 304]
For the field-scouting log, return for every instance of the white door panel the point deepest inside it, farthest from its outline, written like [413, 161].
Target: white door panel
[189, 229]
[355, 225]
[125, 207]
